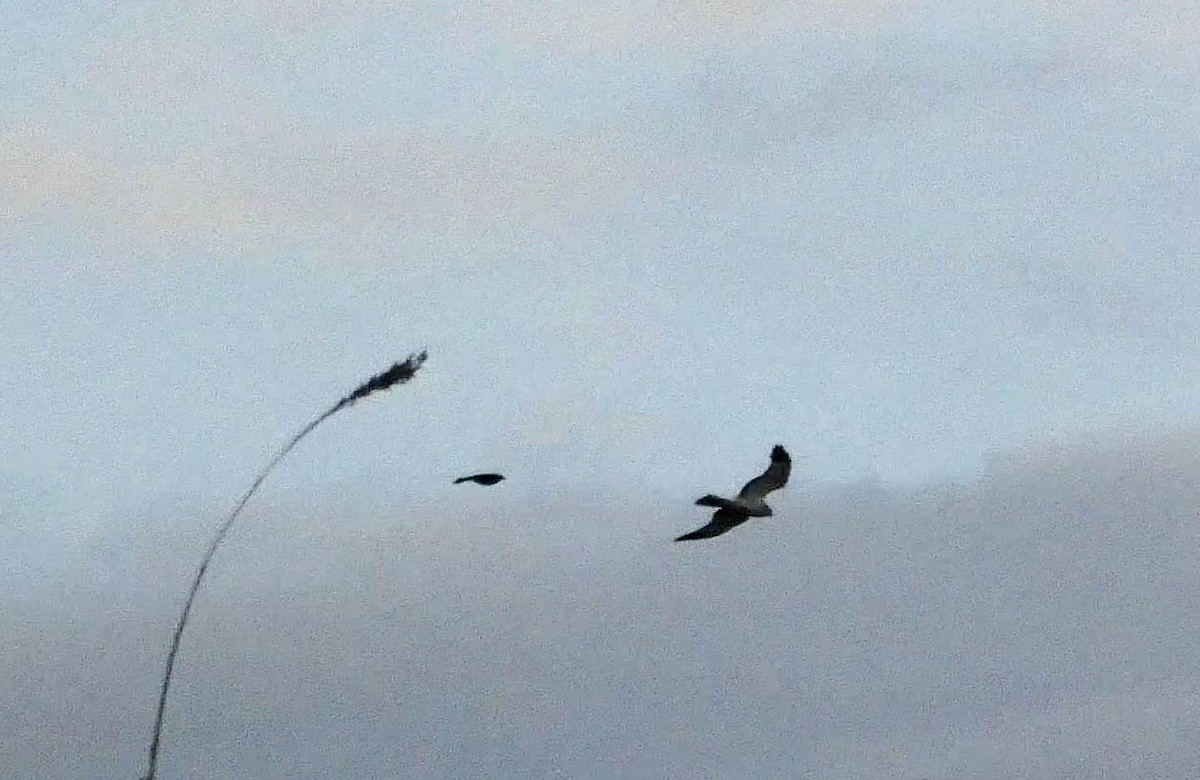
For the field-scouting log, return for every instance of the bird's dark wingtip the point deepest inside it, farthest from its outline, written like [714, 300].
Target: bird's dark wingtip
[779, 453]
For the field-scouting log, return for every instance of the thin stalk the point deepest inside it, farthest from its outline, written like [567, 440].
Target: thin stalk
[399, 373]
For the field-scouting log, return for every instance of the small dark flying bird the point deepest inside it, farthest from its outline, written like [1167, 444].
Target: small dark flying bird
[480, 479]
[749, 502]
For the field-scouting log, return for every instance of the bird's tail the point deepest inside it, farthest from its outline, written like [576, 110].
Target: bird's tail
[717, 501]
[461, 480]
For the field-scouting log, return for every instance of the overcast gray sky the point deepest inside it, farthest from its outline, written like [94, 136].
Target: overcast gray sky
[642, 243]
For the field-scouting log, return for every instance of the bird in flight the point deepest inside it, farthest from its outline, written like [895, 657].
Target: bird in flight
[480, 479]
[749, 502]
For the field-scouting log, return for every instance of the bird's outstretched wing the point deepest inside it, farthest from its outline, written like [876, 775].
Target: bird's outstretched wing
[481, 479]
[775, 477]
[722, 520]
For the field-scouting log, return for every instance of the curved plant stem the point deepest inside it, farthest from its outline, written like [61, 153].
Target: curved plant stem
[399, 373]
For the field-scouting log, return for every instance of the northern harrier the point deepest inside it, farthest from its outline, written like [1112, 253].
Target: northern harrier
[749, 502]
[480, 479]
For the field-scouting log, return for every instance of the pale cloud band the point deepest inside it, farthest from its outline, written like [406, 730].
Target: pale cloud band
[156, 145]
